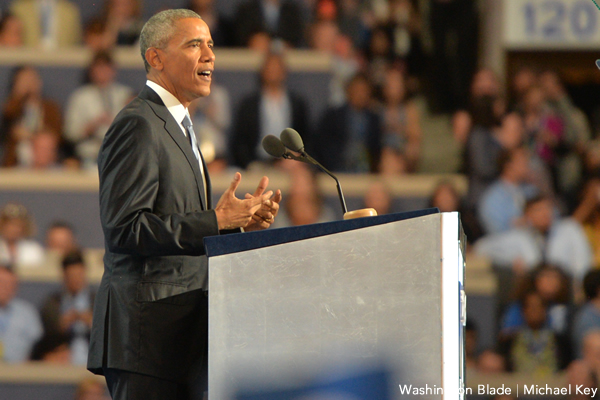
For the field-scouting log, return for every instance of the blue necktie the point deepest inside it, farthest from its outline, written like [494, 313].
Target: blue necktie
[191, 135]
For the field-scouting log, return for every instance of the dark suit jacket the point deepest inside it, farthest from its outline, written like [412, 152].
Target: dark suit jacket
[249, 20]
[246, 129]
[150, 312]
[330, 143]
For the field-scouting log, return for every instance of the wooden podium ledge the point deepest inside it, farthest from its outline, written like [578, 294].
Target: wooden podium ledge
[414, 185]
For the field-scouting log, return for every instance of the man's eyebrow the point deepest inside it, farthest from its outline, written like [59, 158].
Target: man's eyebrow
[210, 42]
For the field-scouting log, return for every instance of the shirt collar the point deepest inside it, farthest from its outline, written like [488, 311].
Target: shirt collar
[177, 110]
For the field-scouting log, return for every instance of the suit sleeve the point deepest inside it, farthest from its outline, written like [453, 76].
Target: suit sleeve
[129, 185]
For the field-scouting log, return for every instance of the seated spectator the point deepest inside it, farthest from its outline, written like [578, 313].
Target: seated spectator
[303, 203]
[69, 311]
[588, 214]
[44, 151]
[268, 111]
[587, 318]
[534, 348]
[279, 19]
[48, 24]
[544, 129]
[25, 113]
[326, 38]
[501, 204]
[211, 117]
[577, 133]
[11, 31]
[482, 149]
[52, 349]
[584, 372]
[349, 137]
[20, 325]
[91, 389]
[119, 25]
[541, 237]
[553, 286]
[220, 27]
[92, 107]
[16, 247]
[401, 138]
[379, 197]
[524, 79]
[60, 239]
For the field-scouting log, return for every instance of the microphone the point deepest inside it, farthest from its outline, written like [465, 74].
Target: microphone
[272, 145]
[291, 139]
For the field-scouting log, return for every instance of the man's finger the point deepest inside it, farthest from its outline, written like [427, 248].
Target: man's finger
[277, 197]
[237, 178]
[262, 186]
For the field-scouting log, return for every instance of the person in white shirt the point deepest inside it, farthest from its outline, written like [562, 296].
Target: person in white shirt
[92, 107]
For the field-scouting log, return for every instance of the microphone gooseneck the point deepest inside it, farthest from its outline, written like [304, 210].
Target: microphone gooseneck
[291, 139]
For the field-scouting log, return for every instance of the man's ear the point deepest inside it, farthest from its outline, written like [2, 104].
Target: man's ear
[153, 58]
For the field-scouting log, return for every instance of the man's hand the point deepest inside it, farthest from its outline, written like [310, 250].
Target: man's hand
[265, 216]
[235, 213]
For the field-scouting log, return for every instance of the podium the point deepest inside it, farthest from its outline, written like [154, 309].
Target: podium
[287, 304]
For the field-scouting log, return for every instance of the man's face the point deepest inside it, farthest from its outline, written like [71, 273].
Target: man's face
[188, 61]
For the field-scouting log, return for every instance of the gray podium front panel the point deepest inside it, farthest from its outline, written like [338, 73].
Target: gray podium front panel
[284, 313]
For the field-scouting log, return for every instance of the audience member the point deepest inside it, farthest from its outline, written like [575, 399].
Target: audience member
[44, 151]
[16, 247]
[577, 133]
[119, 25]
[544, 130]
[211, 117]
[268, 111]
[52, 349]
[353, 130]
[48, 24]
[20, 325]
[60, 239]
[92, 107]
[326, 38]
[401, 138]
[379, 197]
[69, 311]
[25, 113]
[220, 27]
[534, 348]
[482, 150]
[553, 286]
[279, 19]
[303, 203]
[11, 31]
[587, 318]
[583, 373]
[501, 204]
[588, 214]
[524, 79]
[541, 237]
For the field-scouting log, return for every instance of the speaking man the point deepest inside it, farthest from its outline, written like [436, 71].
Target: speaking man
[150, 317]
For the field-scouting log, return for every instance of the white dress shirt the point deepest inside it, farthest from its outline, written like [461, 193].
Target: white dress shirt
[179, 112]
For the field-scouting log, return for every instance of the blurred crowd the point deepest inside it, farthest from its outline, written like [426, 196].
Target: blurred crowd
[531, 158]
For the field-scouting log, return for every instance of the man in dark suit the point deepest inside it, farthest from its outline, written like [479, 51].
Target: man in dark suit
[150, 316]
[269, 110]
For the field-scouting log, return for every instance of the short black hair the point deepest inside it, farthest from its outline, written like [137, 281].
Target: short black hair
[591, 284]
[72, 258]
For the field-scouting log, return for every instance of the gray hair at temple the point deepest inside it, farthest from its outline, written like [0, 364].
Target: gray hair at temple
[160, 28]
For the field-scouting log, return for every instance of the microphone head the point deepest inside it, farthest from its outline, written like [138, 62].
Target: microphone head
[273, 146]
[292, 139]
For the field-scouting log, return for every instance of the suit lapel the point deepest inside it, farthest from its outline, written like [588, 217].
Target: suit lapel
[174, 130]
